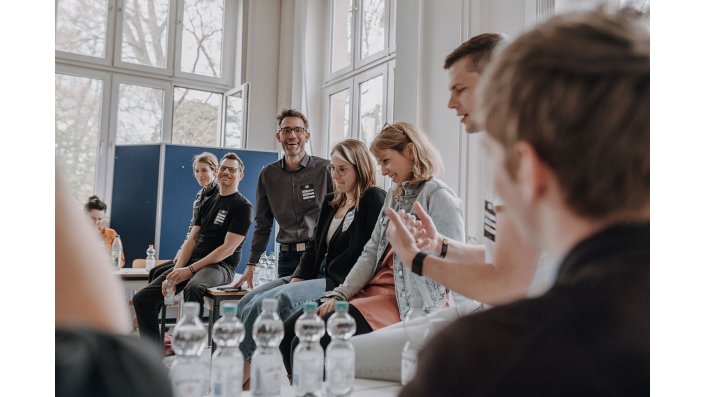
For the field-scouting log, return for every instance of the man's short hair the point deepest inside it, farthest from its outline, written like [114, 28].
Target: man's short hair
[478, 50]
[576, 88]
[288, 112]
[233, 156]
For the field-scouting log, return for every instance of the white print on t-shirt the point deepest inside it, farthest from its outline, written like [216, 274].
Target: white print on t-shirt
[490, 225]
[220, 218]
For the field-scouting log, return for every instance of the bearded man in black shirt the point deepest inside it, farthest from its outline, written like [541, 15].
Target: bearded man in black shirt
[210, 254]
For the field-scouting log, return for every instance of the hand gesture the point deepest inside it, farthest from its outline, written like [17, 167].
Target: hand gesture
[247, 276]
[179, 275]
[328, 306]
[400, 238]
[427, 237]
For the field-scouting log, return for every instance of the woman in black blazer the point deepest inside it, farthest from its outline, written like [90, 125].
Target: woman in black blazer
[345, 224]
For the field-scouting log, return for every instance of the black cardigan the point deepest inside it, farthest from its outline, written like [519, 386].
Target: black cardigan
[345, 247]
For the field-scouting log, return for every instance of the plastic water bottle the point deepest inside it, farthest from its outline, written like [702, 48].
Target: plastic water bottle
[271, 267]
[267, 362]
[170, 296]
[226, 364]
[308, 355]
[340, 353]
[116, 252]
[414, 338]
[188, 374]
[150, 261]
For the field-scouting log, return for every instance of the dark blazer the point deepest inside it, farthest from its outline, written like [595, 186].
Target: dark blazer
[345, 246]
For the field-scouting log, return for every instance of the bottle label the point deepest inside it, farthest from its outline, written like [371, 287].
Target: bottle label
[340, 375]
[308, 374]
[266, 377]
[408, 365]
[226, 380]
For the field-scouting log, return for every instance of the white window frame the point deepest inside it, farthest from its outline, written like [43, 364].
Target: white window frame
[245, 89]
[327, 93]
[359, 61]
[168, 69]
[109, 40]
[100, 182]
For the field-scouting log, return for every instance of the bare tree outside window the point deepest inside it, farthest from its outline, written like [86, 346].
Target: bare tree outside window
[202, 37]
[371, 101]
[196, 117]
[139, 114]
[234, 120]
[81, 27]
[373, 23]
[77, 126]
[341, 35]
[144, 32]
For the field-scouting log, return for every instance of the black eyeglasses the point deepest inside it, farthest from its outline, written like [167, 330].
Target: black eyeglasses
[232, 170]
[288, 130]
[340, 170]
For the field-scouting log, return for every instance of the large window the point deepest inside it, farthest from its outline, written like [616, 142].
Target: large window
[357, 91]
[139, 72]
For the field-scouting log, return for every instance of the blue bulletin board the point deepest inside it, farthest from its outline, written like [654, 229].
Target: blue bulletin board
[178, 189]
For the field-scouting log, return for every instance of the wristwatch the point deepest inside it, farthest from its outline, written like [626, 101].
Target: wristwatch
[444, 247]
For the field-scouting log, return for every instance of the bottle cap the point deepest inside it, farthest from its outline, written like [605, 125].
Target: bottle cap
[310, 307]
[230, 308]
[341, 305]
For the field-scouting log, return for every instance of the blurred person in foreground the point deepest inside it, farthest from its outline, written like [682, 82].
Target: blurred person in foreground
[566, 113]
[94, 356]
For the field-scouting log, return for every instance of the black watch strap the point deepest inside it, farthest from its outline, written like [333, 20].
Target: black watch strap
[417, 263]
[444, 247]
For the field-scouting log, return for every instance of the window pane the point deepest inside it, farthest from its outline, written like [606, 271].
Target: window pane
[371, 97]
[81, 27]
[372, 27]
[342, 34]
[144, 32]
[339, 116]
[234, 120]
[77, 127]
[202, 37]
[196, 117]
[139, 114]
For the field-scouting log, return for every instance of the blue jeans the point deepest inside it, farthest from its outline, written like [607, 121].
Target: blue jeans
[291, 297]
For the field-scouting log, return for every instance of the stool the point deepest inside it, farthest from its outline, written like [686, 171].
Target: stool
[212, 300]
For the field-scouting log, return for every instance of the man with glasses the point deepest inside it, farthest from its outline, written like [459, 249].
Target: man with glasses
[289, 191]
[210, 254]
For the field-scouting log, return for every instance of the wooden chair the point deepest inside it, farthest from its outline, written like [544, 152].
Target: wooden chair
[142, 263]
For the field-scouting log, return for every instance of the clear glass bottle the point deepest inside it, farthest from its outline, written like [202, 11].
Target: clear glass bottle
[271, 267]
[308, 355]
[414, 331]
[151, 260]
[170, 296]
[226, 364]
[188, 373]
[340, 353]
[267, 362]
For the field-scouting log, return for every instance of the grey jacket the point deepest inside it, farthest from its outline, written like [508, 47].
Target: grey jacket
[446, 210]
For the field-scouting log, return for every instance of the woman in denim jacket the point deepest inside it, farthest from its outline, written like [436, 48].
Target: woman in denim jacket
[378, 287]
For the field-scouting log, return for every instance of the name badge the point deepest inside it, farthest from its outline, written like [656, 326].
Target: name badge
[220, 218]
[348, 220]
[308, 193]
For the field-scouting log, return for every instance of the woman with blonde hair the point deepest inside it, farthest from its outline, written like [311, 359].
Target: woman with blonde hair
[379, 287]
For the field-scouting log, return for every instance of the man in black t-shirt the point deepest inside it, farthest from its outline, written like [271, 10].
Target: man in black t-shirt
[210, 254]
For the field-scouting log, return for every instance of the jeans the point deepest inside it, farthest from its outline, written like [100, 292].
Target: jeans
[291, 297]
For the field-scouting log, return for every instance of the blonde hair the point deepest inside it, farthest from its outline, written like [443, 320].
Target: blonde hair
[206, 158]
[426, 161]
[355, 153]
[576, 88]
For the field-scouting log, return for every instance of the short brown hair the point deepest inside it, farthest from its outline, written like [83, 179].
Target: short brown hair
[206, 158]
[576, 88]
[355, 153]
[233, 156]
[288, 112]
[426, 159]
[478, 50]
